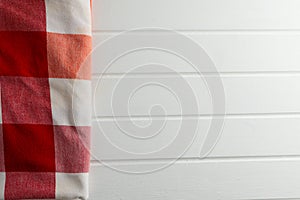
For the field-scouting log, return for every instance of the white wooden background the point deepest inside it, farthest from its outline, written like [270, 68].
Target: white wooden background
[255, 45]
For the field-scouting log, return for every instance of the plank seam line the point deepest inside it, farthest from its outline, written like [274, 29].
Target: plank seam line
[213, 31]
[202, 116]
[195, 74]
[198, 160]
[290, 72]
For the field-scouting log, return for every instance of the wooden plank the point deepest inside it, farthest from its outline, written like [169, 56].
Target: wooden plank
[196, 14]
[241, 137]
[211, 180]
[231, 52]
[160, 95]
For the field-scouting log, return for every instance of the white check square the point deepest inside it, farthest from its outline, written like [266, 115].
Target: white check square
[68, 16]
[71, 186]
[70, 101]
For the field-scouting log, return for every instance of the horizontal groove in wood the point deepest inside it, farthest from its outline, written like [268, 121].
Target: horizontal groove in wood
[198, 74]
[203, 31]
[227, 116]
[274, 199]
[197, 160]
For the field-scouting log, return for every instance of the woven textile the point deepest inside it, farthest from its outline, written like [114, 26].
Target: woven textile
[45, 98]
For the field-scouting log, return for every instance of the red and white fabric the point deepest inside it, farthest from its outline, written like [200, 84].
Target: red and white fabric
[45, 98]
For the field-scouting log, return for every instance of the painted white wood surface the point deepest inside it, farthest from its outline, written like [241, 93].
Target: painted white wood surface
[255, 45]
[247, 136]
[197, 14]
[215, 179]
[232, 51]
[245, 94]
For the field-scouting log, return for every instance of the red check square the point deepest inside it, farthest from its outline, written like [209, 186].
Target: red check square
[23, 54]
[16, 15]
[72, 149]
[25, 185]
[25, 100]
[28, 148]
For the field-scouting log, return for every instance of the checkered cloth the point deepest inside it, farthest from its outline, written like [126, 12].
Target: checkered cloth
[45, 97]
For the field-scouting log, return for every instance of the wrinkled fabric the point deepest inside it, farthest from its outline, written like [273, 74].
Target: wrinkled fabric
[45, 93]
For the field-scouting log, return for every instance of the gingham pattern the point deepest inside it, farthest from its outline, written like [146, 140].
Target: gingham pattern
[45, 96]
